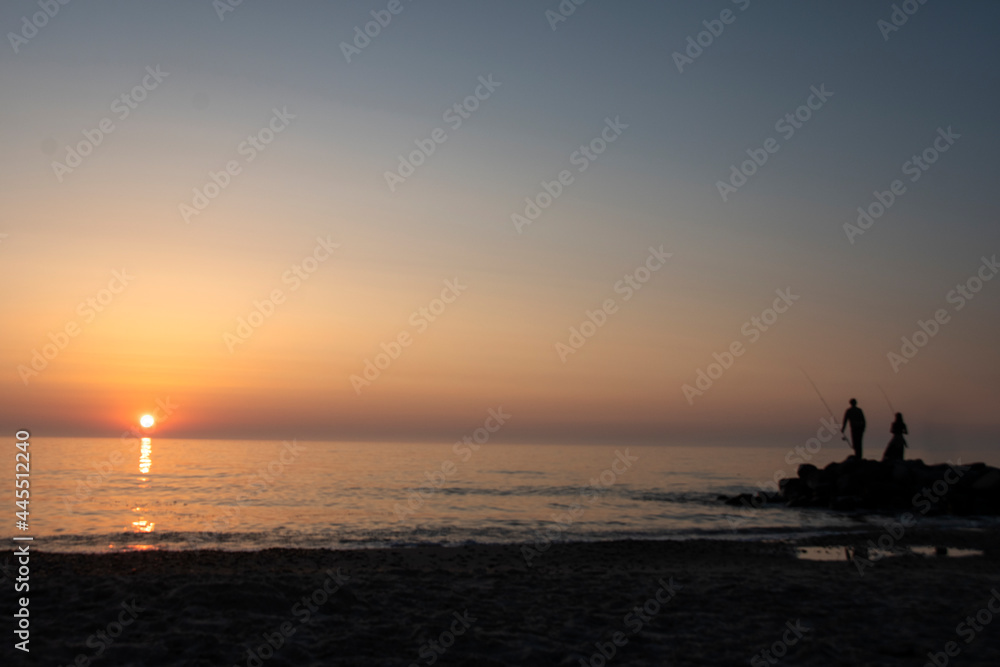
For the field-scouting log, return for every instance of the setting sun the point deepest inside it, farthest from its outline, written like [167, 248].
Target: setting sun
[146, 421]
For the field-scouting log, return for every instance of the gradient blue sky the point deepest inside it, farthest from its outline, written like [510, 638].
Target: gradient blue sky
[655, 185]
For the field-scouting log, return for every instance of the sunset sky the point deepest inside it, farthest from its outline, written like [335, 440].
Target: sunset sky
[310, 191]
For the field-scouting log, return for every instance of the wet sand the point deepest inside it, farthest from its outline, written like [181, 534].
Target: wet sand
[666, 603]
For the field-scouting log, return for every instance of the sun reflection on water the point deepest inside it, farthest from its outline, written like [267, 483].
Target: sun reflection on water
[141, 524]
[145, 456]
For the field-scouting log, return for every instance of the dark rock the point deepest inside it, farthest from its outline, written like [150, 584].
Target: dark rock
[988, 483]
[909, 485]
[845, 503]
[807, 471]
[795, 492]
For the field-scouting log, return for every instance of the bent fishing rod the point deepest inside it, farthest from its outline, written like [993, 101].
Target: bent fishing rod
[886, 398]
[827, 406]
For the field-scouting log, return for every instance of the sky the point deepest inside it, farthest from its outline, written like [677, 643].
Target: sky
[278, 225]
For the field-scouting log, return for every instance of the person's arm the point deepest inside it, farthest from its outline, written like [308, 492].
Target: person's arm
[844, 425]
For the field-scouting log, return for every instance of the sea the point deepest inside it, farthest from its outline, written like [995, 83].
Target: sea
[105, 494]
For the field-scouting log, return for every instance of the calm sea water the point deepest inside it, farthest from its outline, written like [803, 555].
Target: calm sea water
[101, 494]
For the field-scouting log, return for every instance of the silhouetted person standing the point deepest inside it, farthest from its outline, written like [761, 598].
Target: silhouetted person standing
[856, 419]
[894, 451]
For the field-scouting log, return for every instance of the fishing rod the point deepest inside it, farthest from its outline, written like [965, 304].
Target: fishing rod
[886, 398]
[827, 406]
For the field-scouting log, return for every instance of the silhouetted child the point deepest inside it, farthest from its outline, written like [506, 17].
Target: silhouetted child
[894, 451]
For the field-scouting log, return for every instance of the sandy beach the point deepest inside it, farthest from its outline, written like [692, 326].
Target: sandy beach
[640, 603]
